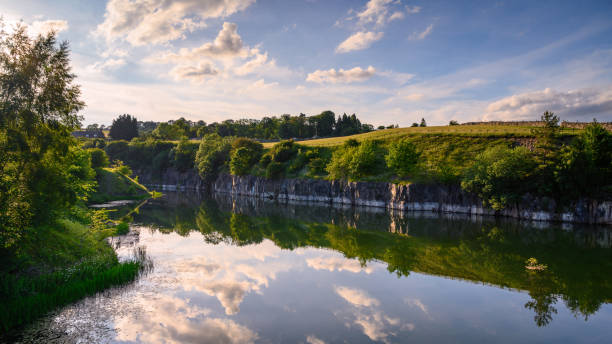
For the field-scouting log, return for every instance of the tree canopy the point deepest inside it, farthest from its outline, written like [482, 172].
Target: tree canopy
[125, 127]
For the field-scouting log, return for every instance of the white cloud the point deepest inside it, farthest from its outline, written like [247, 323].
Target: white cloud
[196, 74]
[421, 35]
[581, 103]
[253, 64]
[413, 9]
[396, 16]
[337, 264]
[359, 41]
[341, 76]
[43, 27]
[357, 297]
[311, 339]
[110, 63]
[143, 22]
[375, 12]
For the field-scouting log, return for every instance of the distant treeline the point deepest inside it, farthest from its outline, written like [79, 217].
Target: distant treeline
[286, 126]
[564, 124]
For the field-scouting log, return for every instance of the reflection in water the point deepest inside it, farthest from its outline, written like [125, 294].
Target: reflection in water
[234, 270]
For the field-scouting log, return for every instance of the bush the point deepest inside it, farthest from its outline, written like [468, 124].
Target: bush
[275, 170]
[283, 151]
[355, 162]
[265, 160]
[255, 148]
[183, 155]
[120, 167]
[122, 228]
[98, 158]
[501, 175]
[213, 155]
[403, 157]
[117, 150]
[241, 161]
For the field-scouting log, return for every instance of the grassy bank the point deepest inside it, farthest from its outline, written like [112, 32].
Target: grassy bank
[113, 185]
[56, 265]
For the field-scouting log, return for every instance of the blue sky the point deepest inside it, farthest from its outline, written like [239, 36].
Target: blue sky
[389, 61]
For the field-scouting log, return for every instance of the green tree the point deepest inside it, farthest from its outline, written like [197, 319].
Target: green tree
[125, 127]
[241, 161]
[403, 157]
[98, 158]
[547, 134]
[42, 171]
[213, 155]
[501, 175]
[183, 154]
[423, 123]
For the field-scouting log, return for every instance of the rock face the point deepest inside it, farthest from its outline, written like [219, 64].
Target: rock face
[412, 197]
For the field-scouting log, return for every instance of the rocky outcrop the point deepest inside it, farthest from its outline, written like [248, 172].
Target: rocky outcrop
[410, 197]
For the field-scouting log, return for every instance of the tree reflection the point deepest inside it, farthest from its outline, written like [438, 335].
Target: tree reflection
[488, 252]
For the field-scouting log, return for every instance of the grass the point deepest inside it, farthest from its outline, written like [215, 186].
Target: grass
[491, 131]
[55, 265]
[113, 185]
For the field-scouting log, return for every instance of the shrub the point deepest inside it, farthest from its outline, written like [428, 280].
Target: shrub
[241, 161]
[255, 148]
[283, 151]
[122, 228]
[265, 160]
[213, 155]
[500, 176]
[117, 150]
[120, 167]
[98, 158]
[275, 170]
[403, 157]
[351, 162]
[183, 155]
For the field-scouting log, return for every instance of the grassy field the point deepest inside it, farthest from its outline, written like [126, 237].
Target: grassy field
[489, 131]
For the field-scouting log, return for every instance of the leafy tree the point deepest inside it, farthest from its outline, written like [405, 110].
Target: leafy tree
[183, 155]
[423, 123]
[453, 122]
[213, 155]
[98, 158]
[255, 148]
[166, 131]
[500, 176]
[548, 133]
[585, 167]
[403, 157]
[241, 161]
[380, 127]
[125, 127]
[42, 171]
[275, 170]
[355, 162]
[414, 125]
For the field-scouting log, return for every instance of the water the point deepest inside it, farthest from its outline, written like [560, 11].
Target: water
[242, 270]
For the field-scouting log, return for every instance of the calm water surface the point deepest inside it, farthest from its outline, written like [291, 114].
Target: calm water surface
[247, 271]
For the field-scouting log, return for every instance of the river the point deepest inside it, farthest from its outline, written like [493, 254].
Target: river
[240, 270]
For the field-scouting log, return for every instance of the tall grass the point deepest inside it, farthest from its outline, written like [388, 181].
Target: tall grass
[25, 298]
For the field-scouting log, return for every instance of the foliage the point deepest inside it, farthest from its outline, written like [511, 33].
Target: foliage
[122, 228]
[423, 123]
[125, 127]
[241, 161]
[283, 151]
[122, 168]
[453, 122]
[402, 157]
[585, 167]
[113, 185]
[213, 155]
[183, 155]
[42, 171]
[500, 176]
[98, 158]
[275, 170]
[355, 162]
[255, 148]
[549, 132]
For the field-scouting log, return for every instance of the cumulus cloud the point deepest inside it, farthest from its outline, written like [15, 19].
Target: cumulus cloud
[253, 64]
[311, 339]
[581, 103]
[109, 64]
[337, 264]
[341, 75]
[421, 35]
[359, 41]
[413, 9]
[357, 297]
[142, 22]
[46, 26]
[196, 74]
[375, 11]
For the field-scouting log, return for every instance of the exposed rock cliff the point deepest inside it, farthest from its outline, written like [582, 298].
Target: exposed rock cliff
[427, 197]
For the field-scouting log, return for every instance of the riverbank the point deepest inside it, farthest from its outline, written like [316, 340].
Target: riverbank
[409, 197]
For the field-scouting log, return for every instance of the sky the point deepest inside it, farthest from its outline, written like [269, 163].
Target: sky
[388, 61]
